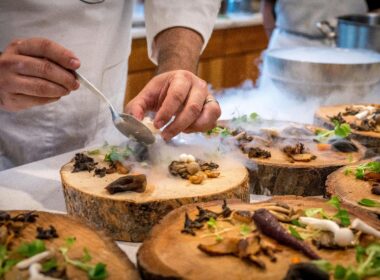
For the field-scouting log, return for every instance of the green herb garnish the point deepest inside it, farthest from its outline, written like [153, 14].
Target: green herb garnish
[218, 130]
[367, 264]
[94, 272]
[6, 264]
[93, 152]
[29, 249]
[245, 230]
[369, 202]
[295, 233]
[211, 223]
[342, 130]
[342, 214]
[373, 166]
[49, 265]
[311, 212]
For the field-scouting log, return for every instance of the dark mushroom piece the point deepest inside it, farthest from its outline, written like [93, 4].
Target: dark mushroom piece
[83, 162]
[269, 225]
[305, 271]
[375, 189]
[4, 216]
[343, 145]
[189, 225]
[205, 215]
[132, 183]
[28, 217]
[46, 234]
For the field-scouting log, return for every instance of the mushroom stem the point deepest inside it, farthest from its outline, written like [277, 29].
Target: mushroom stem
[364, 227]
[342, 236]
[35, 259]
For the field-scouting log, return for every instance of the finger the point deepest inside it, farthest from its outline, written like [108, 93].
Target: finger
[192, 110]
[43, 68]
[15, 102]
[176, 95]
[136, 107]
[207, 120]
[44, 48]
[36, 87]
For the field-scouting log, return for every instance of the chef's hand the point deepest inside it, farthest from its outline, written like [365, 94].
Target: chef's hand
[181, 94]
[35, 71]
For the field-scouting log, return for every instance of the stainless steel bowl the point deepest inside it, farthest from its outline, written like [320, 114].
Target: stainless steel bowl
[322, 71]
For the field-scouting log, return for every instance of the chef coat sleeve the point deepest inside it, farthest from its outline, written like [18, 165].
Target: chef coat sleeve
[198, 15]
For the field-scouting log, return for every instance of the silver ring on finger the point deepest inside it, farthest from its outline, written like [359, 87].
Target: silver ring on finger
[210, 99]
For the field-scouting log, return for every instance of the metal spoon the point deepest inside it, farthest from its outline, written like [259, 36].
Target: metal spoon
[125, 123]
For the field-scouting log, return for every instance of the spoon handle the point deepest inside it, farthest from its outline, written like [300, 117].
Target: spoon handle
[95, 90]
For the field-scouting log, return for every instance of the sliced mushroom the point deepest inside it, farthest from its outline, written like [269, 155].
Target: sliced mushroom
[133, 183]
[225, 247]
[242, 216]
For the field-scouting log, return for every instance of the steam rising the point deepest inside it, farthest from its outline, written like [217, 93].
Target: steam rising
[273, 103]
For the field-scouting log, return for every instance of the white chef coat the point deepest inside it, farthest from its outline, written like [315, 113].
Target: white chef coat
[300, 16]
[100, 35]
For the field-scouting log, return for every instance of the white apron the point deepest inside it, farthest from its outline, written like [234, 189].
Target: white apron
[300, 16]
[99, 34]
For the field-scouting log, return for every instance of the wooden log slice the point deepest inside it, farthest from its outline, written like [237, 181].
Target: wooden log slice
[277, 175]
[169, 254]
[370, 139]
[101, 247]
[129, 216]
[351, 190]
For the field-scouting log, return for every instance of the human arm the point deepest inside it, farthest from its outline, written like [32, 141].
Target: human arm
[269, 18]
[33, 72]
[176, 90]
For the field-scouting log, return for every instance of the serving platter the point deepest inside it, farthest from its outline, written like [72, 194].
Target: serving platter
[280, 173]
[348, 183]
[129, 215]
[370, 138]
[98, 248]
[170, 252]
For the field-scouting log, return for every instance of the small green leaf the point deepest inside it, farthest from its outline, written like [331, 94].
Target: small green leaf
[311, 212]
[86, 255]
[342, 130]
[324, 265]
[69, 241]
[369, 202]
[29, 249]
[93, 152]
[343, 217]
[360, 253]
[340, 272]
[49, 265]
[98, 272]
[297, 223]
[352, 276]
[245, 230]
[334, 201]
[219, 238]
[347, 171]
[211, 223]
[295, 233]
[254, 116]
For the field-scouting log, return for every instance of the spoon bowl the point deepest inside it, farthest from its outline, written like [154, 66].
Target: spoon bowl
[125, 123]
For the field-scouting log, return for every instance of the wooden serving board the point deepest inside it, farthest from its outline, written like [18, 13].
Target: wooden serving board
[101, 247]
[169, 254]
[129, 216]
[279, 176]
[370, 139]
[350, 189]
